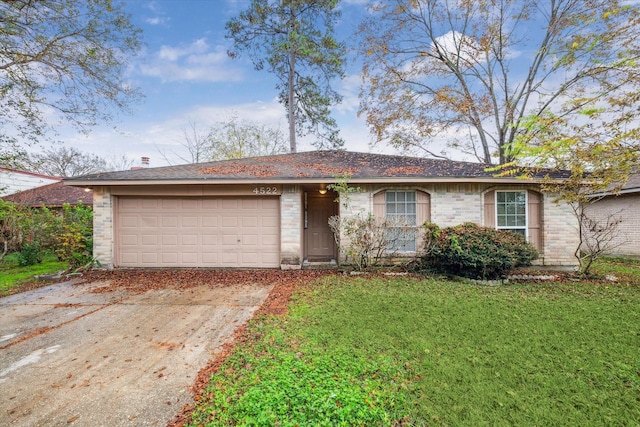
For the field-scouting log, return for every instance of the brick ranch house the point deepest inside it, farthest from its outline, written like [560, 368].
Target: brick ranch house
[623, 206]
[273, 211]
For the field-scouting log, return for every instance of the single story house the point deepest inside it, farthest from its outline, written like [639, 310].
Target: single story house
[273, 211]
[52, 196]
[624, 206]
[12, 180]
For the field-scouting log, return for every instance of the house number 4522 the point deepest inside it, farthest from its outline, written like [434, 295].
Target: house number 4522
[265, 190]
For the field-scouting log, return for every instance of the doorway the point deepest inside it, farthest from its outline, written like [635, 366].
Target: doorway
[320, 245]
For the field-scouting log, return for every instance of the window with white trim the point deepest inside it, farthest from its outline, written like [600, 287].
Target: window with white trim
[401, 211]
[511, 211]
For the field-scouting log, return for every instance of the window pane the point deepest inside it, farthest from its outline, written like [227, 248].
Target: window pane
[402, 209]
[511, 210]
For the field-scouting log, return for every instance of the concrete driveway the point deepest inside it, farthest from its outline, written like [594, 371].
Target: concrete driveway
[71, 356]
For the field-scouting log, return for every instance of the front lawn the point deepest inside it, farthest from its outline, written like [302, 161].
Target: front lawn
[410, 351]
[13, 276]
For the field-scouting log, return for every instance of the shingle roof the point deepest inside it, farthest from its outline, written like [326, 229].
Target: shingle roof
[52, 195]
[300, 167]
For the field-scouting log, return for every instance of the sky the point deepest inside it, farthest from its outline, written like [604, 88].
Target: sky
[186, 76]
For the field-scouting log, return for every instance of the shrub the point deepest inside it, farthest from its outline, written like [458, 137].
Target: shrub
[74, 242]
[469, 250]
[30, 254]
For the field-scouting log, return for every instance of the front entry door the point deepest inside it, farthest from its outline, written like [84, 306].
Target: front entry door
[319, 241]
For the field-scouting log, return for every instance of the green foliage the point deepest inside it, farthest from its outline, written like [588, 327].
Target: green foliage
[69, 234]
[294, 40]
[74, 242]
[585, 162]
[30, 254]
[469, 250]
[438, 353]
[20, 225]
[274, 380]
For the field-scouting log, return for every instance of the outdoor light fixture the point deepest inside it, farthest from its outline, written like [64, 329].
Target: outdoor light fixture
[323, 189]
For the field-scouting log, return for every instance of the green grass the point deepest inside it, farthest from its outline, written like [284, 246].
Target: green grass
[12, 275]
[407, 351]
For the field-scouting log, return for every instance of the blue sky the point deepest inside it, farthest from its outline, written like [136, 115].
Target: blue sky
[186, 75]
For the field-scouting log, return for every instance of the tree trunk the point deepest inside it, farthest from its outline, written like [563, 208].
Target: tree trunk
[291, 102]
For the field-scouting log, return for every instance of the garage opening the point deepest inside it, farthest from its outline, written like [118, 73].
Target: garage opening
[241, 232]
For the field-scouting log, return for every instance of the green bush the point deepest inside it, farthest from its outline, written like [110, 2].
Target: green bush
[74, 241]
[469, 250]
[30, 254]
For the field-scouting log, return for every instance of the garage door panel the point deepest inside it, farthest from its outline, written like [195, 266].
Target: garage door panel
[147, 221]
[149, 258]
[150, 204]
[169, 258]
[169, 239]
[129, 240]
[229, 222]
[209, 221]
[169, 221]
[168, 204]
[210, 258]
[250, 240]
[150, 239]
[214, 232]
[209, 239]
[190, 203]
[229, 204]
[189, 240]
[128, 221]
[250, 221]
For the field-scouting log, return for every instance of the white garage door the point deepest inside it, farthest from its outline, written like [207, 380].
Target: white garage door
[198, 232]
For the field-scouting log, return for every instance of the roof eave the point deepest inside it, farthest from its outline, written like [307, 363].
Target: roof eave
[289, 181]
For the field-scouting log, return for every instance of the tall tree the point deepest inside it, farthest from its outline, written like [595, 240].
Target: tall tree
[294, 40]
[62, 60]
[473, 72]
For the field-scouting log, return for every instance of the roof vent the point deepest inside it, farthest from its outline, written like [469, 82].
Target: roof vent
[144, 161]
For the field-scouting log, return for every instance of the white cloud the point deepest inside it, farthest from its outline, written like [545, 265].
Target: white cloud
[156, 20]
[197, 61]
[349, 89]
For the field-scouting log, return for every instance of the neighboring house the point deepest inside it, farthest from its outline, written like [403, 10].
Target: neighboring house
[52, 196]
[624, 206]
[273, 211]
[12, 181]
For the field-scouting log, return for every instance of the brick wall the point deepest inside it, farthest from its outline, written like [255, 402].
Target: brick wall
[291, 227]
[625, 207]
[560, 233]
[103, 226]
[453, 204]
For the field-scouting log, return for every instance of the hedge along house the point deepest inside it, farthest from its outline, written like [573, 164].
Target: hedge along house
[272, 212]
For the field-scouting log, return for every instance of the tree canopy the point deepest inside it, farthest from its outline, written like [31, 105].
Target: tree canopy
[294, 40]
[62, 61]
[474, 73]
[228, 139]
